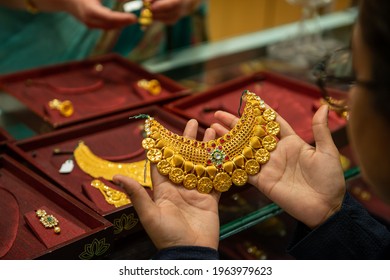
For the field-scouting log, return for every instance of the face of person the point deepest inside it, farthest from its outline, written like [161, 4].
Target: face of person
[369, 133]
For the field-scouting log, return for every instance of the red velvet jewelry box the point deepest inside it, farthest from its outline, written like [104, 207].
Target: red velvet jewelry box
[115, 138]
[4, 136]
[83, 233]
[294, 100]
[95, 87]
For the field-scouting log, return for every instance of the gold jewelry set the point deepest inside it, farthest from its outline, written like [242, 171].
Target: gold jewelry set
[219, 163]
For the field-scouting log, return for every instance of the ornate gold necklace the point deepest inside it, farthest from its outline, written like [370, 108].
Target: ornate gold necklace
[217, 163]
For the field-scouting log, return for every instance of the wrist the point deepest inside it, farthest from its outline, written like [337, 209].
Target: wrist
[330, 213]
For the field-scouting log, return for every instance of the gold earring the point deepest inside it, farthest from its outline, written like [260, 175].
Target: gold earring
[48, 221]
[112, 196]
[153, 86]
[65, 107]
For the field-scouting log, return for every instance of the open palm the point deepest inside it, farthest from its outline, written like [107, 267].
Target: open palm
[307, 182]
[175, 216]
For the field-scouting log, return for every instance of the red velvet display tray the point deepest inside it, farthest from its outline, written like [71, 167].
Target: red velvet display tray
[84, 234]
[113, 137]
[96, 87]
[4, 136]
[294, 100]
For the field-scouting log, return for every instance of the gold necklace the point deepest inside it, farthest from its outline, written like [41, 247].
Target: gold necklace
[98, 167]
[217, 163]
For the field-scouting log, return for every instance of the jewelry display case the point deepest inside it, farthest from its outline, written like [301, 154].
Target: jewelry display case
[115, 143]
[68, 230]
[78, 91]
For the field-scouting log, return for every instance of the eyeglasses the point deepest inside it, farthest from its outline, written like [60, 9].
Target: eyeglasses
[334, 77]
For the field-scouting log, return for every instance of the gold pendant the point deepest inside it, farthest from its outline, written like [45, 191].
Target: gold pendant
[217, 163]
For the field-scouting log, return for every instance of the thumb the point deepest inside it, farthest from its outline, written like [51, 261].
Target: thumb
[139, 197]
[321, 132]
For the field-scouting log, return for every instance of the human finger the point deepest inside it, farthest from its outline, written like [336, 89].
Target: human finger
[191, 129]
[219, 129]
[99, 16]
[228, 121]
[322, 135]
[209, 134]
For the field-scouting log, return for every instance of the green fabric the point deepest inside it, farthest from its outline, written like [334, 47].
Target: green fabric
[28, 41]
[36, 40]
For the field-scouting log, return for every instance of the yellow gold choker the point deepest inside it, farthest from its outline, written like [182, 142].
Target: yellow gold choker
[217, 163]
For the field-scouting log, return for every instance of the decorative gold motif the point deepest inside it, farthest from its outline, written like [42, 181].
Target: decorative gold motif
[48, 221]
[262, 156]
[269, 143]
[154, 155]
[239, 177]
[112, 196]
[205, 185]
[190, 181]
[176, 175]
[217, 163]
[153, 86]
[272, 128]
[252, 167]
[164, 167]
[64, 107]
[101, 168]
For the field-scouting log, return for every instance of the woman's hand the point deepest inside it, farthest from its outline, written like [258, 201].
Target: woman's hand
[95, 15]
[306, 182]
[175, 216]
[170, 11]
[91, 12]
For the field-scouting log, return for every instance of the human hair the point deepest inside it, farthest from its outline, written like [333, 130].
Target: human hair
[374, 22]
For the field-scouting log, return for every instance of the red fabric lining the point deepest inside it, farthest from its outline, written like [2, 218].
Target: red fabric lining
[9, 220]
[47, 235]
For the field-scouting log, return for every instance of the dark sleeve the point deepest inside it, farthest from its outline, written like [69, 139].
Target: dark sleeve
[350, 233]
[187, 253]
